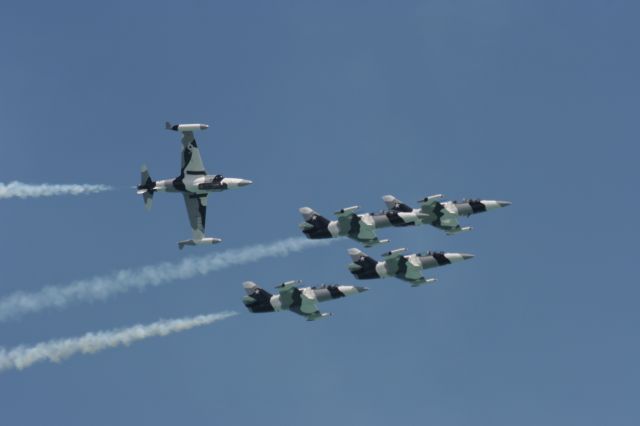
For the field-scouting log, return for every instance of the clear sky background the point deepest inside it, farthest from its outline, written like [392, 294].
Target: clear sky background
[331, 104]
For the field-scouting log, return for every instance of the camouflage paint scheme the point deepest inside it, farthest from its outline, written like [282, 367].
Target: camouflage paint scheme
[302, 301]
[348, 224]
[408, 268]
[193, 182]
[442, 215]
[361, 227]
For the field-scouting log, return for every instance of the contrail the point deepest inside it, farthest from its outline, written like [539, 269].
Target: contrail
[25, 190]
[105, 286]
[57, 350]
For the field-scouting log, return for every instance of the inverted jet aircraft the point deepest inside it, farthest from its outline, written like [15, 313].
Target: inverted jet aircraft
[361, 227]
[408, 268]
[302, 301]
[193, 183]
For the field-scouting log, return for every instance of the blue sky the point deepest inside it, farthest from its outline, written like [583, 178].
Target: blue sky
[331, 105]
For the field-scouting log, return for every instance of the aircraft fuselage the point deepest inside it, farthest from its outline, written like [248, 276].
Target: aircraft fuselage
[200, 184]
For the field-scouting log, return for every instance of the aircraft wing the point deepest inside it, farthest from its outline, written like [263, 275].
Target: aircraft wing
[414, 269]
[362, 229]
[448, 219]
[302, 302]
[197, 212]
[441, 215]
[407, 268]
[191, 161]
[447, 215]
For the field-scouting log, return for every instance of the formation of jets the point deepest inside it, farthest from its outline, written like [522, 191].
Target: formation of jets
[362, 227]
[195, 185]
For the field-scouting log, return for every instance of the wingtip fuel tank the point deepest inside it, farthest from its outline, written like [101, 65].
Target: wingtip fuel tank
[185, 127]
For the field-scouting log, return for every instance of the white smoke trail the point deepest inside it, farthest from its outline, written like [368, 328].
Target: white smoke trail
[57, 350]
[102, 287]
[25, 190]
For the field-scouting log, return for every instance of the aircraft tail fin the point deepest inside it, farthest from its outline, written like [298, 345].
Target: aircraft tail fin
[357, 254]
[146, 187]
[145, 177]
[394, 204]
[250, 288]
[314, 225]
[257, 299]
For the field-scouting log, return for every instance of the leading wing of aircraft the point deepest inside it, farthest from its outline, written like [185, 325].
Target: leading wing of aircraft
[359, 228]
[197, 212]
[441, 215]
[302, 302]
[407, 268]
[191, 161]
[414, 269]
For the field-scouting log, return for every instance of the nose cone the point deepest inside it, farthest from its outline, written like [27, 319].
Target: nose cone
[232, 183]
[204, 126]
[350, 290]
[504, 203]
[457, 257]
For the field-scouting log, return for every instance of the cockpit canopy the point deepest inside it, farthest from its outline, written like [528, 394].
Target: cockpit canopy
[431, 253]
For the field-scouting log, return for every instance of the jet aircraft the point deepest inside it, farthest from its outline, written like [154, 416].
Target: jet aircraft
[348, 224]
[302, 301]
[442, 215]
[408, 268]
[193, 182]
[361, 227]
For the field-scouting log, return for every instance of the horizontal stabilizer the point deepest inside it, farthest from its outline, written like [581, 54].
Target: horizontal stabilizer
[146, 187]
[305, 225]
[148, 199]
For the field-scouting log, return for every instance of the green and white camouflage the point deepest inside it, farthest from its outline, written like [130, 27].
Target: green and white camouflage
[442, 215]
[348, 224]
[302, 301]
[394, 264]
[362, 227]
